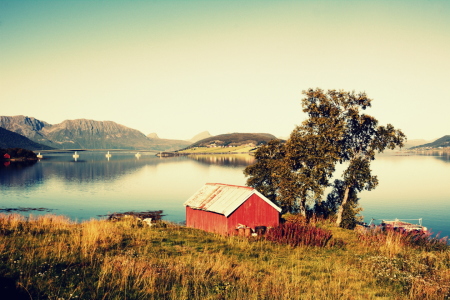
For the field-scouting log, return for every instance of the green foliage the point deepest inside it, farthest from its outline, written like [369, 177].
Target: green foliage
[295, 219]
[328, 209]
[295, 174]
[263, 175]
[18, 153]
[9, 139]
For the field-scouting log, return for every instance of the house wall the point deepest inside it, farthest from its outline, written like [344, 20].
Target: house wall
[253, 212]
[205, 220]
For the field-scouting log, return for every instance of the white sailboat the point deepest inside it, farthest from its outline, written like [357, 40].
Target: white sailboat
[108, 155]
[76, 156]
[137, 155]
[40, 155]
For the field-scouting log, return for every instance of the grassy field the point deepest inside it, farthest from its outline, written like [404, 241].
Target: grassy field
[50, 257]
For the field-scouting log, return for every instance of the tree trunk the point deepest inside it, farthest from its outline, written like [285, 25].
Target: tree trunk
[341, 208]
[303, 207]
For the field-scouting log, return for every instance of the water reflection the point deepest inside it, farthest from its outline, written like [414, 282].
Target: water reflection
[411, 186]
[443, 155]
[96, 166]
[88, 167]
[19, 173]
[94, 186]
[235, 160]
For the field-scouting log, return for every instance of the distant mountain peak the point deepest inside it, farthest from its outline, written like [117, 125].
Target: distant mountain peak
[153, 136]
[200, 136]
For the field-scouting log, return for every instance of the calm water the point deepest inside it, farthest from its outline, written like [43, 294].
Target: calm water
[410, 187]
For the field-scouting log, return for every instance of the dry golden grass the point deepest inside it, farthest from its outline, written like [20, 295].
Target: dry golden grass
[51, 257]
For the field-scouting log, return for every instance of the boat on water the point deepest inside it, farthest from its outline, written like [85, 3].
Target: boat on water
[402, 224]
[76, 156]
[396, 224]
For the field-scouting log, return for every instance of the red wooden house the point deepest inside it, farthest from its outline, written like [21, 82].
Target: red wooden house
[222, 208]
[7, 156]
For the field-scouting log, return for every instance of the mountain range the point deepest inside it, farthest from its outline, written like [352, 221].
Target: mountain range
[86, 134]
[31, 133]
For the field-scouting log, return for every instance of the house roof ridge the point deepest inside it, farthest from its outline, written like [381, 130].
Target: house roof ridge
[224, 198]
[231, 185]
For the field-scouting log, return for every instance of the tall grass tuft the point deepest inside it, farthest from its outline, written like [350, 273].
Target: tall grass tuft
[416, 262]
[394, 240]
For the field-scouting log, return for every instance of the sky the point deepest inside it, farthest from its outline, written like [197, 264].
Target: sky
[177, 68]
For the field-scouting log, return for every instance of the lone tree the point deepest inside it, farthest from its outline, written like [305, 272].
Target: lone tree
[295, 174]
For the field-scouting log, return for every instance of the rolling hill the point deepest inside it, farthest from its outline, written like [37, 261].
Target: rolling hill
[234, 139]
[9, 139]
[441, 142]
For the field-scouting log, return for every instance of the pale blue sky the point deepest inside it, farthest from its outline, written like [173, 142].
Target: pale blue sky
[181, 67]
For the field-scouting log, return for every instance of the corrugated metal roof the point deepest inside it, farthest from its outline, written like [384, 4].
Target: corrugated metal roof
[223, 198]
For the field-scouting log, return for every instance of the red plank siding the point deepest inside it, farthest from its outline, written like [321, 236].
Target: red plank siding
[253, 212]
[205, 220]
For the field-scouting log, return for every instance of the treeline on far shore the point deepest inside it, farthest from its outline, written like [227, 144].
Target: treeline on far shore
[16, 154]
